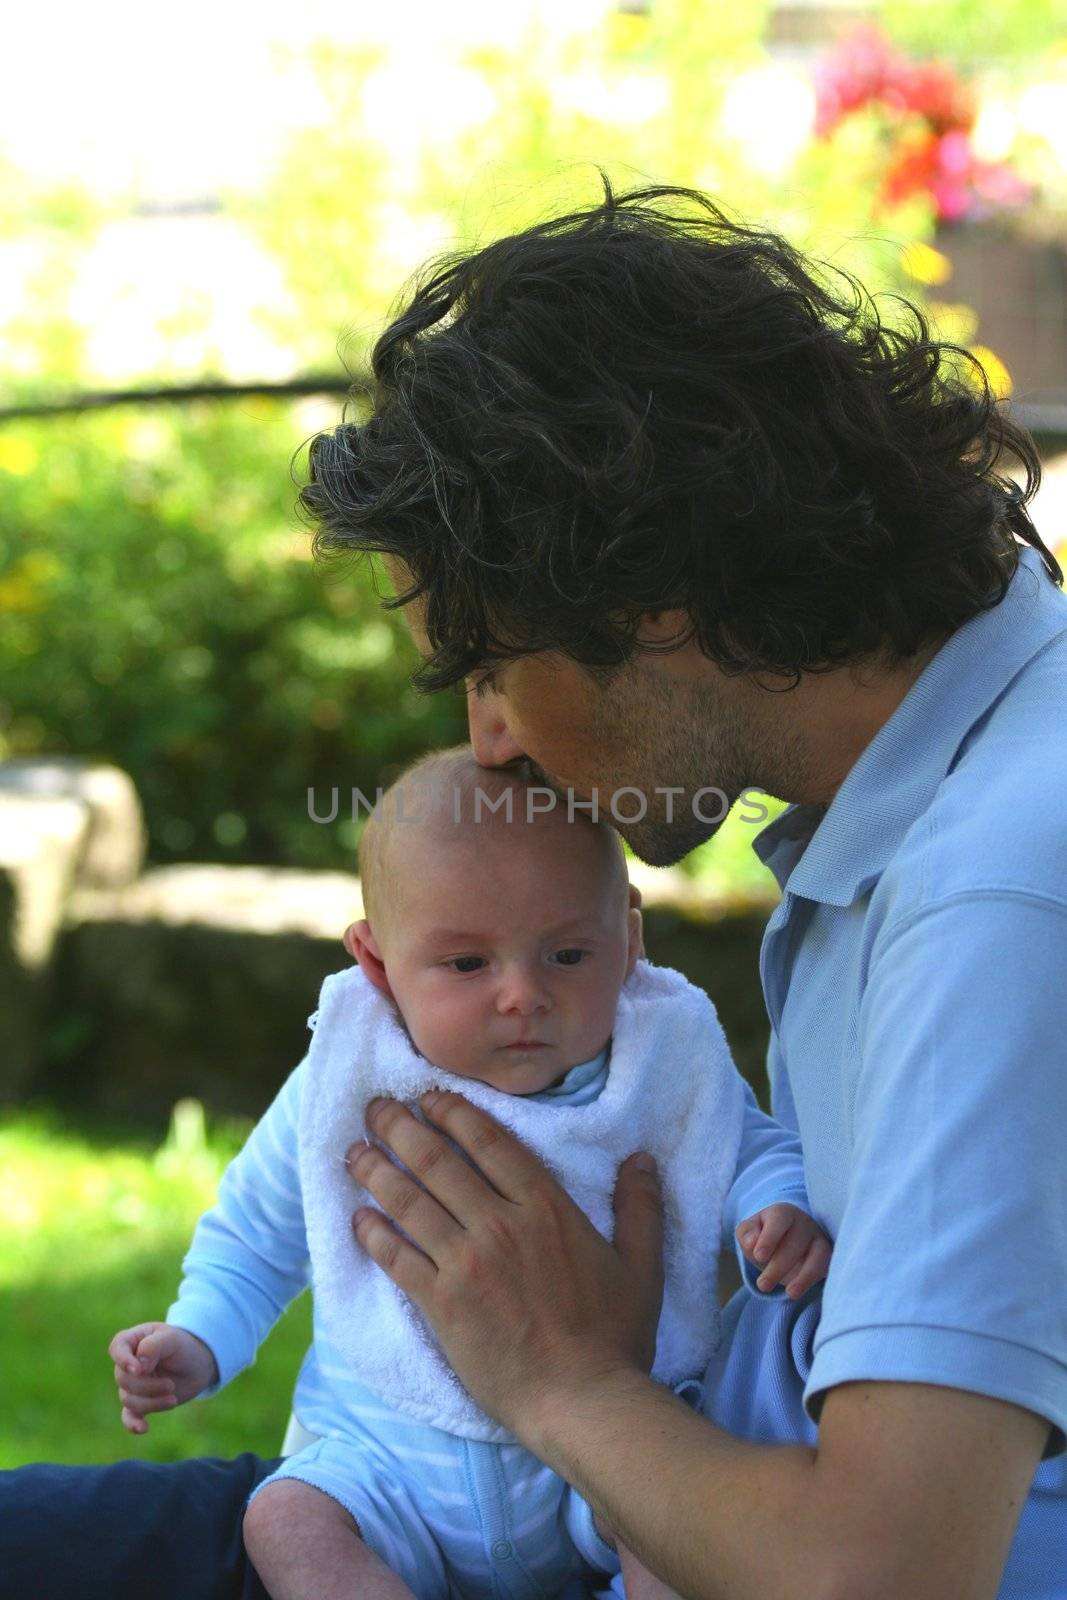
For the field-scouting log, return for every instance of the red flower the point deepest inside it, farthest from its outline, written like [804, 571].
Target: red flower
[932, 90]
[930, 116]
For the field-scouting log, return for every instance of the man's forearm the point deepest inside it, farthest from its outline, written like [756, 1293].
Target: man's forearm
[716, 1518]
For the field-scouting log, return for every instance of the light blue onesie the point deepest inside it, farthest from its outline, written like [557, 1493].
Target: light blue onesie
[451, 1516]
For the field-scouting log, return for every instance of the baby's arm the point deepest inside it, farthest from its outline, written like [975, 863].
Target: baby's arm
[249, 1258]
[768, 1213]
[247, 1261]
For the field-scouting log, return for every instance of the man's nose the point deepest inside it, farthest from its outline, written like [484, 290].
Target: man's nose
[491, 741]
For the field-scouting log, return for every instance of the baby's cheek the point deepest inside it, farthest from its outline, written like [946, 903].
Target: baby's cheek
[448, 1032]
[595, 1012]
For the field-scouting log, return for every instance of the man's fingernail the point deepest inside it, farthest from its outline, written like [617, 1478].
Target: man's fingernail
[645, 1163]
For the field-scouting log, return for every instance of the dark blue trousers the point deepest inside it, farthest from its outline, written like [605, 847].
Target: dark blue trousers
[136, 1530]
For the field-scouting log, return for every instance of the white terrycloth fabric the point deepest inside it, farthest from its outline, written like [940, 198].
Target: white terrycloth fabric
[672, 1089]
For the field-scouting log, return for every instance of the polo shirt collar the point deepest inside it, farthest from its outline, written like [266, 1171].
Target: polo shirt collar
[833, 854]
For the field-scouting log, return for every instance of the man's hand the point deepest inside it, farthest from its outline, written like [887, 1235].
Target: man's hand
[158, 1367]
[531, 1304]
[788, 1244]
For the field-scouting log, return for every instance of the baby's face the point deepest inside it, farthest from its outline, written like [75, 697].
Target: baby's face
[506, 950]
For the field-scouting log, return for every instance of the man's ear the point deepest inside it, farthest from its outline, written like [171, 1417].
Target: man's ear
[362, 946]
[636, 948]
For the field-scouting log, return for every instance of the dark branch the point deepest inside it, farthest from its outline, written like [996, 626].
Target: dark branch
[291, 388]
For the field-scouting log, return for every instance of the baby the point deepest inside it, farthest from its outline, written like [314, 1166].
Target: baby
[500, 950]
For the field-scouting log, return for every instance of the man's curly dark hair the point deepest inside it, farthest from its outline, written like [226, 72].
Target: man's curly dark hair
[642, 406]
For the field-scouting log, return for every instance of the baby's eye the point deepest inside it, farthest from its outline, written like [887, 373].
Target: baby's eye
[570, 957]
[467, 963]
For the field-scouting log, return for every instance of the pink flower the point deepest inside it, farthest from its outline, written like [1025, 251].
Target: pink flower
[954, 154]
[931, 112]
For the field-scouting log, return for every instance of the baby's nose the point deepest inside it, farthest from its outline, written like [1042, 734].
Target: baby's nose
[521, 989]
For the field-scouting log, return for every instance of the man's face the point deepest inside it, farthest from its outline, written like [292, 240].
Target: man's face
[667, 722]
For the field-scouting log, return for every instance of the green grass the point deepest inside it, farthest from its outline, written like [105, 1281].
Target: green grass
[93, 1227]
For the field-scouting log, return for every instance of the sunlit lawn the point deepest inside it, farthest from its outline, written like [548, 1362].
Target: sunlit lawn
[93, 1227]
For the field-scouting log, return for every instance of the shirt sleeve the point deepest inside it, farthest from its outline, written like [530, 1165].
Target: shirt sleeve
[770, 1168]
[249, 1257]
[950, 1264]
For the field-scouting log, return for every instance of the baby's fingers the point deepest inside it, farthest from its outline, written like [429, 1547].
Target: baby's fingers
[814, 1266]
[143, 1405]
[785, 1260]
[133, 1424]
[133, 1383]
[761, 1234]
[123, 1347]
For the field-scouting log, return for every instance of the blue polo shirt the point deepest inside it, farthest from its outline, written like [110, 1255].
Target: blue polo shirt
[915, 974]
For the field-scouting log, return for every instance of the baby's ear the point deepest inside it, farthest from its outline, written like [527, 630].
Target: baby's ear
[362, 946]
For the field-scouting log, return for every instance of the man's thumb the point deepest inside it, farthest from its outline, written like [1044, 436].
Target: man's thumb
[639, 1215]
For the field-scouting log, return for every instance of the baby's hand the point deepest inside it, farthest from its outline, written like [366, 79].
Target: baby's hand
[158, 1367]
[788, 1244]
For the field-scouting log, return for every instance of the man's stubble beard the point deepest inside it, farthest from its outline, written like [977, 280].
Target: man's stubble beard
[659, 736]
[689, 737]
[694, 737]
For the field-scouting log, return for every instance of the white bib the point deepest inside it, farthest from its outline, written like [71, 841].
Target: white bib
[672, 1089]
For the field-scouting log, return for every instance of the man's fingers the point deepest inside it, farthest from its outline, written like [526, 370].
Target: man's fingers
[512, 1170]
[425, 1217]
[409, 1269]
[131, 1423]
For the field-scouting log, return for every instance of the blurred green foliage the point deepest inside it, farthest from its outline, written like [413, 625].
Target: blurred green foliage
[160, 609]
[976, 35]
[162, 612]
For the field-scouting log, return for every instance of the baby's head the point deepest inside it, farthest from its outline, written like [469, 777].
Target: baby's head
[503, 933]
